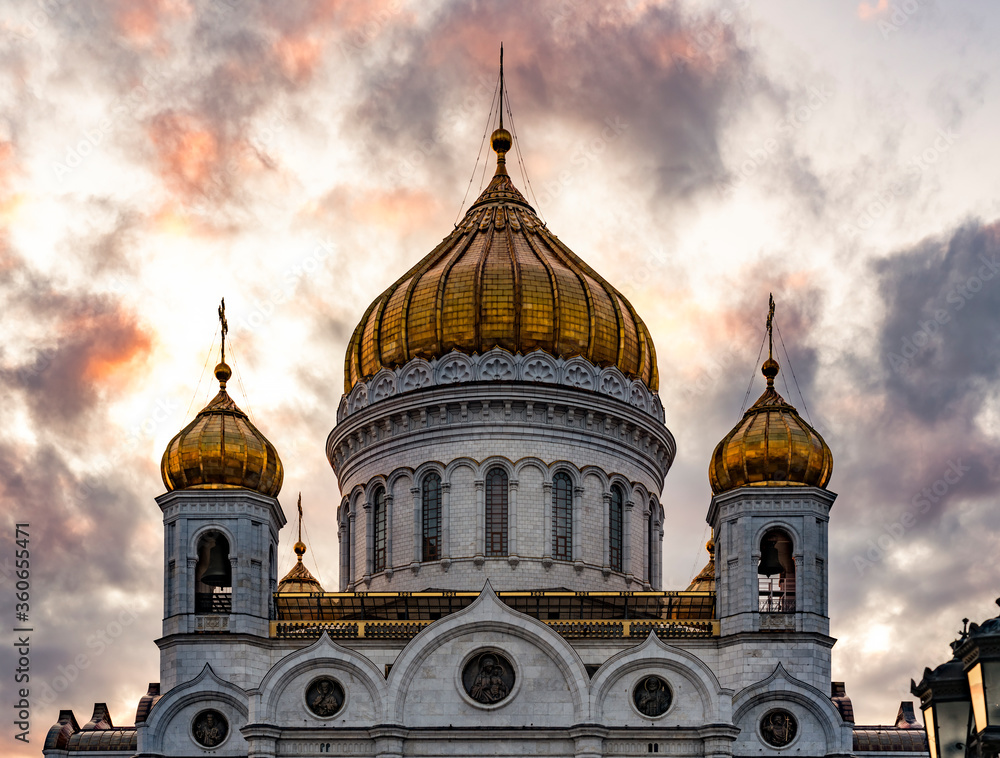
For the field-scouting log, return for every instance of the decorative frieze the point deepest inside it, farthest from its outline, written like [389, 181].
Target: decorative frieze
[500, 365]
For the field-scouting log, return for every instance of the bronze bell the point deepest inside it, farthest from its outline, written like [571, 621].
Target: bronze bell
[769, 563]
[218, 573]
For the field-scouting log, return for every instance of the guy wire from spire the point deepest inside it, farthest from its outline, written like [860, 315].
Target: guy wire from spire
[489, 120]
[753, 373]
[520, 161]
[208, 357]
[239, 380]
[794, 379]
[319, 576]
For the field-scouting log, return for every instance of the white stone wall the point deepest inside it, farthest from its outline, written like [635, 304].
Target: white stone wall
[720, 692]
[532, 431]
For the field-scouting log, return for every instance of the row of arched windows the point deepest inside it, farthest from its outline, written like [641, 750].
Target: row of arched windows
[496, 535]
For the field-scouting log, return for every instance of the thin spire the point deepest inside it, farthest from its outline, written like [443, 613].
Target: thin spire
[225, 327]
[300, 517]
[770, 327]
[501, 85]
[770, 368]
[300, 546]
[222, 371]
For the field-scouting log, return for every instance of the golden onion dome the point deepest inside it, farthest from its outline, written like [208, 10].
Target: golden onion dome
[705, 581]
[501, 279]
[221, 449]
[771, 446]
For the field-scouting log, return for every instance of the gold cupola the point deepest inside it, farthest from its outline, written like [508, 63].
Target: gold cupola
[299, 579]
[501, 279]
[771, 446]
[221, 448]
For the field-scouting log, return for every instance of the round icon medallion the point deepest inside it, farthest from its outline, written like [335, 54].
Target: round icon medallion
[778, 727]
[325, 696]
[209, 728]
[488, 678]
[652, 696]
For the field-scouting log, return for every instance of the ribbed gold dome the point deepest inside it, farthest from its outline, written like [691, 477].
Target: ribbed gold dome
[221, 449]
[501, 279]
[299, 579]
[771, 446]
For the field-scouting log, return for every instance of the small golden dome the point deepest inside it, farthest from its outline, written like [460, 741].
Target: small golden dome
[705, 581]
[501, 279]
[771, 446]
[299, 579]
[221, 449]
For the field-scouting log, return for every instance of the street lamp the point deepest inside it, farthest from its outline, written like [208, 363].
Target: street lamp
[980, 653]
[944, 700]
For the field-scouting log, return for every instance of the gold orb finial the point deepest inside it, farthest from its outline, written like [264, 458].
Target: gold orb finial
[770, 369]
[300, 549]
[501, 141]
[223, 374]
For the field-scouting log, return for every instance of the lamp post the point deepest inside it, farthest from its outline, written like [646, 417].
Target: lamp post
[961, 698]
[944, 700]
[980, 653]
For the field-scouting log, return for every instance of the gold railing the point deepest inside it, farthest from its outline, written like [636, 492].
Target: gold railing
[572, 629]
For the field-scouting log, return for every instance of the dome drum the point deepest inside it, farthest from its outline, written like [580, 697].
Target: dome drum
[500, 365]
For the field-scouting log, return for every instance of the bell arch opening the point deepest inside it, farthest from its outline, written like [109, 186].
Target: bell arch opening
[213, 575]
[776, 573]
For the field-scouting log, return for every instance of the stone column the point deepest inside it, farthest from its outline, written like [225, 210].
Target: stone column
[627, 542]
[606, 532]
[388, 535]
[577, 551]
[369, 541]
[418, 530]
[445, 525]
[547, 524]
[480, 522]
[261, 740]
[352, 548]
[512, 557]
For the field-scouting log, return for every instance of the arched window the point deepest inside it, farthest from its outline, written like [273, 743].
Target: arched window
[430, 517]
[616, 515]
[496, 512]
[213, 575]
[776, 573]
[378, 518]
[562, 517]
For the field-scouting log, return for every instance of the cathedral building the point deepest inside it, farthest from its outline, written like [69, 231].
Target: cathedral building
[501, 451]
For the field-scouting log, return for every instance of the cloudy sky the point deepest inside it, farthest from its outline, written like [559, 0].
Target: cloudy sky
[296, 158]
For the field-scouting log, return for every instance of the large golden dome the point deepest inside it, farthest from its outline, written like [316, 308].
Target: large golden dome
[771, 446]
[221, 449]
[501, 279]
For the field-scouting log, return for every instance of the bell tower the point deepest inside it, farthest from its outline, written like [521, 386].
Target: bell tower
[221, 519]
[770, 514]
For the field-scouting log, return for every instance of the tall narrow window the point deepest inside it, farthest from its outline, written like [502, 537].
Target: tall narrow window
[430, 516]
[562, 517]
[378, 564]
[496, 512]
[615, 518]
[776, 573]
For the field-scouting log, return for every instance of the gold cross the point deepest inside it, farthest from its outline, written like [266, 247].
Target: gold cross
[225, 327]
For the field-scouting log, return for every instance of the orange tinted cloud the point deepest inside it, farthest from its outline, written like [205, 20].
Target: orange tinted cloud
[187, 151]
[401, 208]
[139, 21]
[298, 56]
[118, 345]
[867, 11]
